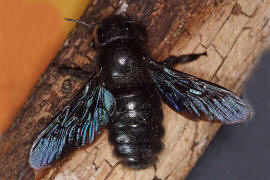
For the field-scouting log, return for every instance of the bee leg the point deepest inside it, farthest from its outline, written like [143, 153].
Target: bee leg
[155, 167]
[110, 4]
[94, 45]
[73, 71]
[173, 60]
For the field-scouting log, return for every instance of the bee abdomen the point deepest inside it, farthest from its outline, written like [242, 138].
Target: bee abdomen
[138, 139]
[136, 133]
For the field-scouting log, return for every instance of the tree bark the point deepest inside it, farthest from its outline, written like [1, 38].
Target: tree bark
[233, 32]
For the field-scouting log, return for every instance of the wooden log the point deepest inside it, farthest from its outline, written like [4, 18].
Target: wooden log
[233, 32]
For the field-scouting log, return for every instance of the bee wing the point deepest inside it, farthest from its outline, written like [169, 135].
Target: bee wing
[75, 126]
[197, 98]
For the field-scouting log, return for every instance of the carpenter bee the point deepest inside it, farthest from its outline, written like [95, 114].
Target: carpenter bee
[124, 95]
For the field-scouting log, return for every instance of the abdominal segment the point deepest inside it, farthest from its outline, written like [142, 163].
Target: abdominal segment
[136, 129]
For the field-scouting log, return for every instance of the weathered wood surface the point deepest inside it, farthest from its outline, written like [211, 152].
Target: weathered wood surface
[233, 32]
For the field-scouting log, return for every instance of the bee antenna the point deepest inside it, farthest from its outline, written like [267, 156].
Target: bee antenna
[81, 22]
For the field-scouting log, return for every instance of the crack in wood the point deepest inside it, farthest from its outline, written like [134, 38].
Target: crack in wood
[224, 58]
[111, 171]
[219, 29]
[108, 163]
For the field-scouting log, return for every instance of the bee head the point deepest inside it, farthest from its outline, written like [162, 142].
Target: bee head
[118, 28]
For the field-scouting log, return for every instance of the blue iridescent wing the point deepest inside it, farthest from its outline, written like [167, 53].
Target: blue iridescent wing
[197, 98]
[75, 126]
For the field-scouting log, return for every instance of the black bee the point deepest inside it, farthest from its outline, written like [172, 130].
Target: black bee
[124, 95]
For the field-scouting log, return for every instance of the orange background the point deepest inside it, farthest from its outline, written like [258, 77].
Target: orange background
[31, 32]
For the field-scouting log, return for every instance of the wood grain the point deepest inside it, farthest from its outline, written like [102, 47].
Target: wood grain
[233, 32]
